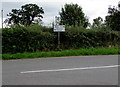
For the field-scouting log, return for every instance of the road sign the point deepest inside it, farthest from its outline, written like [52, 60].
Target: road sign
[59, 28]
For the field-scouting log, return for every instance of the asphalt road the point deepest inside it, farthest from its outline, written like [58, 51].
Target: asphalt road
[80, 70]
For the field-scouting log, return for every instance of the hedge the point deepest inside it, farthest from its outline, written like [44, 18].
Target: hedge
[37, 38]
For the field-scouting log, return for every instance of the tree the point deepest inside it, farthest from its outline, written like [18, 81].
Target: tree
[113, 18]
[72, 15]
[26, 14]
[97, 22]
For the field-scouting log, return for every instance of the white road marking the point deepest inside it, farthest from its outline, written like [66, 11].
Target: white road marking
[83, 68]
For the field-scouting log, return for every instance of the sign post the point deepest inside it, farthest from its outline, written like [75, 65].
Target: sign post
[58, 28]
[58, 39]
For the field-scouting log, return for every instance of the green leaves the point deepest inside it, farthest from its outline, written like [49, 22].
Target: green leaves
[27, 39]
[72, 15]
[113, 19]
[37, 38]
[97, 23]
[25, 15]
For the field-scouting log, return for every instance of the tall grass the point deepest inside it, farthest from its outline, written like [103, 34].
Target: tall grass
[78, 52]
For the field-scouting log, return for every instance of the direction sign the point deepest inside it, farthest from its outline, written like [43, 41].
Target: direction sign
[59, 28]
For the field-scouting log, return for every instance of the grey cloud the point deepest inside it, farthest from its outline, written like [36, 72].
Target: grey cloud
[8, 6]
[91, 8]
[51, 9]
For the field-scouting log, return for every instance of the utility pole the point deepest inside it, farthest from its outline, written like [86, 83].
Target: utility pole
[2, 17]
[119, 5]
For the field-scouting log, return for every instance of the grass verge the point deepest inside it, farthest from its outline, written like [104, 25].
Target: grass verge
[78, 52]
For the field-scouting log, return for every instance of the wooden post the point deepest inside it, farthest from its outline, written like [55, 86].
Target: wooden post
[2, 17]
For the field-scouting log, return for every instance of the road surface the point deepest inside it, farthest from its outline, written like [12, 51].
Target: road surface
[80, 70]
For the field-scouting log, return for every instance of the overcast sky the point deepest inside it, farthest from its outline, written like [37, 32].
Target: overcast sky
[91, 8]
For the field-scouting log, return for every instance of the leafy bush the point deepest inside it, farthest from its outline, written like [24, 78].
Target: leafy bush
[86, 38]
[38, 38]
[24, 39]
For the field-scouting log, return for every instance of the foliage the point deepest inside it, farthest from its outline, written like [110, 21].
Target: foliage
[113, 19]
[86, 38]
[38, 38]
[27, 39]
[72, 15]
[35, 37]
[25, 15]
[97, 22]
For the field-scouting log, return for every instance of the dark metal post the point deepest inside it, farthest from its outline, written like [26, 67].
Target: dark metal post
[58, 39]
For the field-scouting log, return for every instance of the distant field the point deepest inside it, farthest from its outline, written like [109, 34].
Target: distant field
[77, 52]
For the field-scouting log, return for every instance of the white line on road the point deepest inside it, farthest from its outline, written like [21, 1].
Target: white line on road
[83, 68]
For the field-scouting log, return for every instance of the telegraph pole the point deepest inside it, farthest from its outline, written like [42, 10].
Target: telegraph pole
[119, 5]
[2, 17]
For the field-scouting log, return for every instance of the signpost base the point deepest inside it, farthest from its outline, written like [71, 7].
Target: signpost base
[58, 39]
